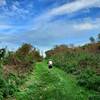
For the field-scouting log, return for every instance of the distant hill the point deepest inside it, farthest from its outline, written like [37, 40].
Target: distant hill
[91, 47]
[95, 47]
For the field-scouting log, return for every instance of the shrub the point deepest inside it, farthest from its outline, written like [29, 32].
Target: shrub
[23, 59]
[84, 64]
[89, 79]
[94, 97]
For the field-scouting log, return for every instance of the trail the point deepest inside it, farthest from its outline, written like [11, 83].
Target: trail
[50, 84]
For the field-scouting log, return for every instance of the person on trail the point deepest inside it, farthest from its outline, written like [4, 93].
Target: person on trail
[2, 53]
[50, 64]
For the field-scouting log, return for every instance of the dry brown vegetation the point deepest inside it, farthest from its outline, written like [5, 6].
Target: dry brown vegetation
[22, 60]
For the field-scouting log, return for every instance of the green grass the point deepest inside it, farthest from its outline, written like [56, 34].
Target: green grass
[51, 84]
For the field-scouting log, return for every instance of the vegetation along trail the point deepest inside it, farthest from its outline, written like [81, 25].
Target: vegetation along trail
[50, 84]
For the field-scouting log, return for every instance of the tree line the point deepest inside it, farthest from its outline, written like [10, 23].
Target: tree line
[93, 40]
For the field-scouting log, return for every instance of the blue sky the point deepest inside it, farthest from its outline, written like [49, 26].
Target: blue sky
[45, 23]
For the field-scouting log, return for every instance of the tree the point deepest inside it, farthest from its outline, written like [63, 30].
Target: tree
[24, 49]
[92, 39]
[99, 38]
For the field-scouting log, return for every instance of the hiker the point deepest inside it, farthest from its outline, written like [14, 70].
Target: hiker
[50, 64]
[2, 53]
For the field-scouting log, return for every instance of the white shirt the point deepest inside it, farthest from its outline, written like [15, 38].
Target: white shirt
[50, 62]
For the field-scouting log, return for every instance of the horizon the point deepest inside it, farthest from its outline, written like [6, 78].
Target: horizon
[46, 23]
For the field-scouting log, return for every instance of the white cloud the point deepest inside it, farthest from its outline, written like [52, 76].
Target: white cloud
[13, 10]
[85, 26]
[74, 6]
[2, 2]
[61, 30]
[16, 6]
[69, 8]
[5, 26]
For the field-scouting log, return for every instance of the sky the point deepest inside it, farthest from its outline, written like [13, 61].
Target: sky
[46, 23]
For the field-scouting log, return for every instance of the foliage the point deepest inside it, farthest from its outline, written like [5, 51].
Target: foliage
[23, 59]
[14, 67]
[92, 39]
[89, 79]
[99, 37]
[9, 85]
[85, 65]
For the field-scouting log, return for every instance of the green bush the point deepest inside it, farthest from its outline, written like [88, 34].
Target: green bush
[94, 97]
[89, 79]
[1, 95]
[83, 64]
[8, 85]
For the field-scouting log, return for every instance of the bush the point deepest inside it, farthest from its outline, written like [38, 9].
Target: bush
[23, 59]
[20, 63]
[84, 64]
[8, 86]
[1, 95]
[89, 79]
[94, 97]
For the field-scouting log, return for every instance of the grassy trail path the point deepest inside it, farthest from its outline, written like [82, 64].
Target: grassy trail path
[50, 84]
